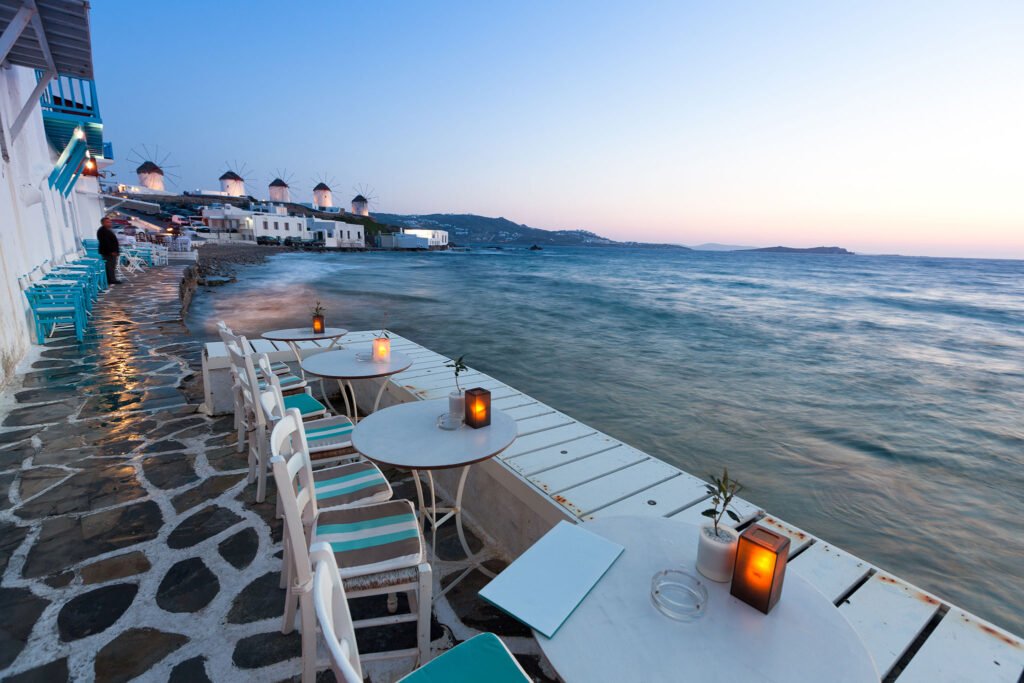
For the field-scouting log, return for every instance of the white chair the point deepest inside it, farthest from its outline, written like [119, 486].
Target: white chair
[481, 658]
[254, 423]
[378, 550]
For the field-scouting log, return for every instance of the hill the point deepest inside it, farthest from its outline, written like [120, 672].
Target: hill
[468, 228]
[811, 250]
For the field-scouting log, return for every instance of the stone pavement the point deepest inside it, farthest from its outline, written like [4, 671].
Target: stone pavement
[130, 545]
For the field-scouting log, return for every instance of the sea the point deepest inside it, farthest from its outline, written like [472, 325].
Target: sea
[874, 401]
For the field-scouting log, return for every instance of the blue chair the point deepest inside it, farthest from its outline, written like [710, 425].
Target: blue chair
[481, 658]
[54, 305]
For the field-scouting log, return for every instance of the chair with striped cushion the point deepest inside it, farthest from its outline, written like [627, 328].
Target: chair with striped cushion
[254, 423]
[330, 438]
[378, 549]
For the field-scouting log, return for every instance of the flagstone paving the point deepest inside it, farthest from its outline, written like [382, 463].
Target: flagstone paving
[130, 545]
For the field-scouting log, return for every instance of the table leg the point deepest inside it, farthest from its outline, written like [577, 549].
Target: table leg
[323, 387]
[344, 395]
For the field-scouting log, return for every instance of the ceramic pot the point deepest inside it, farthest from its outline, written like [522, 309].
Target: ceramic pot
[716, 555]
[456, 405]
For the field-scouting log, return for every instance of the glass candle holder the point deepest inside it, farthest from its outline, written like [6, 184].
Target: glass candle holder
[679, 595]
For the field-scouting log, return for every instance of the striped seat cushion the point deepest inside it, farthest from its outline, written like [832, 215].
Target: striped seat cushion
[287, 382]
[371, 538]
[358, 483]
[329, 433]
[276, 368]
[306, 404]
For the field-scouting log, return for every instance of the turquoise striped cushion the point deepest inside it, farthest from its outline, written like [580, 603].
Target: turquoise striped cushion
[286, 381]
[328, 433]
[374, 537]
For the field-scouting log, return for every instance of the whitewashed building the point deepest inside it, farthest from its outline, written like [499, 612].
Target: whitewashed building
[414, 238]
[232, 184]
[151, 176]
[51, 132]
[322, 197]
[337, 234]
[436, 239]
[360, 206]
[279, 191]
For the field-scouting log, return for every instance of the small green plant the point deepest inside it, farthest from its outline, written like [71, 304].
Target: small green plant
[722, 490]
[318, 309]
[459, 366]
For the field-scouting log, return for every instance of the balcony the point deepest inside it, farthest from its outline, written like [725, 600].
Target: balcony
[68, 102]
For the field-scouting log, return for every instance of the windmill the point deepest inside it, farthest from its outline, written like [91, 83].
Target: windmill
[364, 200]
[322, 193]
[154, 167]
[280, 185]
[232, 181]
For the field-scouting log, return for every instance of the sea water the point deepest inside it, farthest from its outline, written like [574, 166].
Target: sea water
[874, 401]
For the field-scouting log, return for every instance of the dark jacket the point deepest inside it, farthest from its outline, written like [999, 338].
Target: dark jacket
[108, 241]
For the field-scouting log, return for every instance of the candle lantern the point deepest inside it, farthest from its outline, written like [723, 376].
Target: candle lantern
[478, 407]
[318, 324]
[381, 349]
[761, 556]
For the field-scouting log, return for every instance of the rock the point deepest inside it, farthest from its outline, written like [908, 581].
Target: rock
[6, 480]
[59, 580]
[170, 471]
[8, 436]
[11, 536]
[66, 541]
[204, 524]
[162, 446]
[41, 414]
[240, 549]
[227, 459]
[85, 491]
[54, 393]
[52, 672]
[190, 671]
[95, 611]
[261, 599]
[35, 480]
[188, 586]
[210, 488]
[133, 653]
[265, 649]
[20, 608]
[12, 457]
[116, 567]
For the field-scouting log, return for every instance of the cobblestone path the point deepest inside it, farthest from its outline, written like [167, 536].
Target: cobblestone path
[130, 545]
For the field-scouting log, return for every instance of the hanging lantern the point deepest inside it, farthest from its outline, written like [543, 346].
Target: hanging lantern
[478, 407]
[761, 557]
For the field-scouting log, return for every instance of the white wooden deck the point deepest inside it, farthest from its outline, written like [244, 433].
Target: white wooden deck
[912, 635]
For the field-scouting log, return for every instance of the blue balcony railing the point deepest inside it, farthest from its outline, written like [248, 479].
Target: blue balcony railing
[69, 102]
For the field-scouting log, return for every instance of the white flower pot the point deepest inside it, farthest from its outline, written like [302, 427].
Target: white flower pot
[716, 555]
[457, 405]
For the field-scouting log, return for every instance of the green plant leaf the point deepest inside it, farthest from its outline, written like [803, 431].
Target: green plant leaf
[710, 512]
[732, 515]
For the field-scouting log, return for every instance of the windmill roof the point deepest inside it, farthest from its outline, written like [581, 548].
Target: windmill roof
[277, 182]
[359, 198]
[230, 175]
[321, 186]
[149, 167]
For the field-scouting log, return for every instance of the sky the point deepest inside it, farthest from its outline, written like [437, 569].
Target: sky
[882, 127]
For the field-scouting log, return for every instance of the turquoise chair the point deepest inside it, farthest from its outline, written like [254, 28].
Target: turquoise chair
[57, 305]
[481, 659]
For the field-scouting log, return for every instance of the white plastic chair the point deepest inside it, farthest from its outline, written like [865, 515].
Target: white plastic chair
[372, 558]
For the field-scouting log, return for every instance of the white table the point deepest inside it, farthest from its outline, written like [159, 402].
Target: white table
[346, 365]
[293, 335]
[407, 436]
[616, 633]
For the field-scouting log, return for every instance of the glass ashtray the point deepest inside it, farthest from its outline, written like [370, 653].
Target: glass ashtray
[679, 595]
[449, 421]
[364, 357]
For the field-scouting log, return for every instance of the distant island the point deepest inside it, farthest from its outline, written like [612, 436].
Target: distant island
[795, 250]
[468, 228]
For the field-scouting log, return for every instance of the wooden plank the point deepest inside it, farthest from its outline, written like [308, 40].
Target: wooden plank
[797, 537]
[550, 438]
[513, 401]
[965, 648]
[829, 569]
[611, 489]
[659, 499]
[692, 514]
[262, 346]
[888, 614]
[559, 454]
[531, 425]
[588, 469]
[498, 390]
[523, 412]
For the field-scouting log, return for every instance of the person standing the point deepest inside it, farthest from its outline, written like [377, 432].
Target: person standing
[110, 250]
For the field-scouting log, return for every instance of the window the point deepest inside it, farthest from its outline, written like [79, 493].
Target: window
[264, 225]
[286, 227]
[275, 225]
[350, 234]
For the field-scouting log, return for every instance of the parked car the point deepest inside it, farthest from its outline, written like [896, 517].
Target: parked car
[262, 239]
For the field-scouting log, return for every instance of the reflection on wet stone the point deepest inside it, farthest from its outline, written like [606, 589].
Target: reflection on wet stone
[86, 491]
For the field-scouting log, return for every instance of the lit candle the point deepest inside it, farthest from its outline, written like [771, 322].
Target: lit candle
[318, 324]
[382, 349]
[761, 556]
[478, 407]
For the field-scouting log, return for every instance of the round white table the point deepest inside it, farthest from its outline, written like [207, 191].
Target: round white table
[407, 436]
[346, 365]
[617, 634]
[293, 335]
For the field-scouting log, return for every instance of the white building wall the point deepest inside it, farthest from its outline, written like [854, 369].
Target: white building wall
[435, 238]
[36, 223]
[152, 181]
[337, 233]
[276, 225]
[232, 188]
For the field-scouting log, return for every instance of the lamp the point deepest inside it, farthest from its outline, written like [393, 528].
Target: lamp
[478, 407]
[318, 324]
[761, 557]
[381, 349]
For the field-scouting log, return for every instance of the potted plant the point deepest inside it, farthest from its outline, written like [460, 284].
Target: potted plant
[318, 318]
[382, 343]
[716, 549]
[456, 399]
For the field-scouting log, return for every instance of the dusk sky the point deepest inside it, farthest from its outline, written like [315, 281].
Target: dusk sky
[881, 127]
